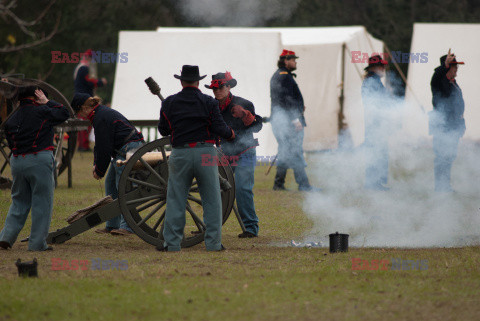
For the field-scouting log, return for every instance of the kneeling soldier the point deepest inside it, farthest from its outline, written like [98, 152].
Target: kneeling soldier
[193, 120]
[114, 138]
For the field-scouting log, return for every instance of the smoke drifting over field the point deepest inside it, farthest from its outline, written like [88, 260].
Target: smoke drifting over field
[234, 12]
[411, 214]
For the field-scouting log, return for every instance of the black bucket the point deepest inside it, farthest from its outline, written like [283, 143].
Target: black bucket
[27, 269]
[338, 242]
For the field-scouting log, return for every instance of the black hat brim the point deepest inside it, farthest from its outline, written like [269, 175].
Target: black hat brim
[374, 65]
[232, 83]
[190, 79]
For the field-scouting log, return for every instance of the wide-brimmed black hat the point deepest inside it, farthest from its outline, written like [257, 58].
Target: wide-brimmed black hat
[78, 100]
[453, 62]
[190, 74]
[29, 91]
[222, 79]
[26, 91]
[376, 61]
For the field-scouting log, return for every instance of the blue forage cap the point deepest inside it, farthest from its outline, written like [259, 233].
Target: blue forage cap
[78, 100]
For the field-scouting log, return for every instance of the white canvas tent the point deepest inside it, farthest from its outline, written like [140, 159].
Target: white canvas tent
[250, 54]
[435, 39]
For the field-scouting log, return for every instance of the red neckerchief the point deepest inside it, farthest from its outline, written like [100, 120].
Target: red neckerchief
[226, 102]
[92, 114]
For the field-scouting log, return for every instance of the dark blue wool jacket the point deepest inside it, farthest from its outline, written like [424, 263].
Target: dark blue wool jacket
[111, 132]
[30, 129]
[191, 116]
[377, 104]
[84, 84]
[243, 134]
[448, 101]
[286, 95]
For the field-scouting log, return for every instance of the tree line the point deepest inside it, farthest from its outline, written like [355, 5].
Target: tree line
[31, 30]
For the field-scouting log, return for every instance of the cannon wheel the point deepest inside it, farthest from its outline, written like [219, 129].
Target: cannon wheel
[66, 152]
[145, 212]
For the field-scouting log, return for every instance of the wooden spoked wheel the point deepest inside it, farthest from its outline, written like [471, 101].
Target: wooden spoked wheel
[142, 195]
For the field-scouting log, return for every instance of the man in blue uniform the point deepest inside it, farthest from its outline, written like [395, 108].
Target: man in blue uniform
[85, 83]
[288, 123]
[447, 124]
[115, 136]
[29, 132]
[239, 114]
[193, 121]
[378, 125]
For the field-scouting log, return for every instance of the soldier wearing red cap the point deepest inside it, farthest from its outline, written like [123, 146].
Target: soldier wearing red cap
[85, 83]
[447, 124]
[239, 114]
[375, 98]
[288, 122]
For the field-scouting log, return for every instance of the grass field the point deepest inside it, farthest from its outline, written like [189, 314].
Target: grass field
[255, 279]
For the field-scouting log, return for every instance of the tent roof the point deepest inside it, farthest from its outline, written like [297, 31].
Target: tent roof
[161, 53]
[290, 36]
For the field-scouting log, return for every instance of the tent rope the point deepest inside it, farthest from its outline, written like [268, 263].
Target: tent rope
[402, 75]
[404, 79]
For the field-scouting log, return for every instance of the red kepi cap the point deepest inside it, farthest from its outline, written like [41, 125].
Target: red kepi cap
[287, 54]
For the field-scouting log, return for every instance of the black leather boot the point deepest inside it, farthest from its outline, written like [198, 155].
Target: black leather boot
[279, 184]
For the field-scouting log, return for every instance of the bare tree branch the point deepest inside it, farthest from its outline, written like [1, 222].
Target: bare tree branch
[22, 24]
[33, 43]
[44, 78]
[40, 16]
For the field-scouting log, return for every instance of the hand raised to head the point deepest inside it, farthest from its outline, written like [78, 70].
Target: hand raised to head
[41, 98]
[449, 59]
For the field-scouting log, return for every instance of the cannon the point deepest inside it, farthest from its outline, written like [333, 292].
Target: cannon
[8, 104]
[142, 199]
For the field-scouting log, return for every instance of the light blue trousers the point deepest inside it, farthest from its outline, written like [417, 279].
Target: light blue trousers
[32, 189]
[111, 184]
[445, 147]
[244, 181]
[185, 164]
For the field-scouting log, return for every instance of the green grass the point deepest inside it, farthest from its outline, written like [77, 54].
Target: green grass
[255, 279]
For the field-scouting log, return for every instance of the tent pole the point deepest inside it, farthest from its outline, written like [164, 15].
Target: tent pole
[341, 117]
[343, 139]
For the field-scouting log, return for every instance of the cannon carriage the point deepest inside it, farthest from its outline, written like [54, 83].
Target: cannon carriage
[142, 199]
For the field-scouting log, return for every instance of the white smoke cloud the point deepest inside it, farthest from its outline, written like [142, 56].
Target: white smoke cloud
[235, 12]
[411, 214]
